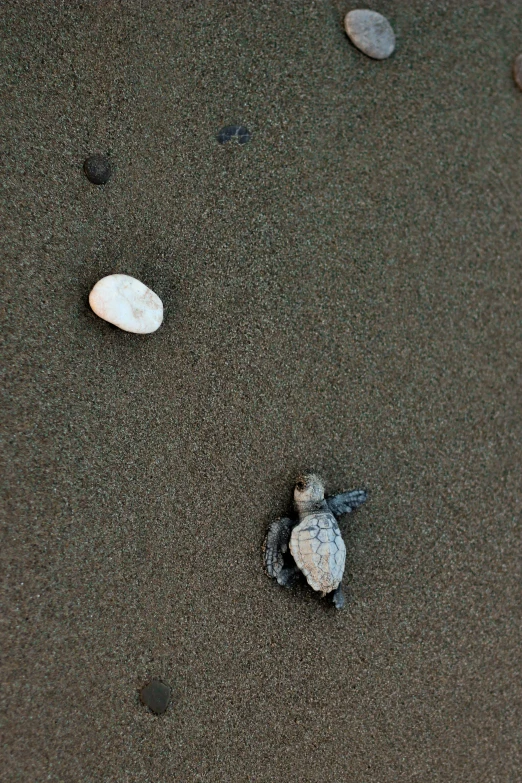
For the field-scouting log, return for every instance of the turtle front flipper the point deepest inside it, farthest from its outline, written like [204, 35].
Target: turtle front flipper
[279, 563]
[346, 501]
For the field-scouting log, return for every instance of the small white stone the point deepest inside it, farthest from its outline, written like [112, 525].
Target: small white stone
[125, 302]
[370, 32]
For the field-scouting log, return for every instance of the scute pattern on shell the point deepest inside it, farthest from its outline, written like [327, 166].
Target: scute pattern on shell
[319, 551]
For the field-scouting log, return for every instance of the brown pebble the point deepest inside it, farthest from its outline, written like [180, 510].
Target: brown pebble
[517, 70]
[156, 696]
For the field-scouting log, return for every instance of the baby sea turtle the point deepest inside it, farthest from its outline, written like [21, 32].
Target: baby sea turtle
[316, 546]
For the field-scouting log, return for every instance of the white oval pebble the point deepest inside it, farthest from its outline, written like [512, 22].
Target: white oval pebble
[370, 32]
[125, 302]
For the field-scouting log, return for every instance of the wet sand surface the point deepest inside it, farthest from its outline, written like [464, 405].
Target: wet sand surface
[341, 293]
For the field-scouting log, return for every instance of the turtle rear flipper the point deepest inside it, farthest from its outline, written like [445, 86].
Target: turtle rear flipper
[279, 563]
[338, 598]
[346, 502]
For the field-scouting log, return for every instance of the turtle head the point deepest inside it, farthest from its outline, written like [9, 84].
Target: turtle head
[308, 489]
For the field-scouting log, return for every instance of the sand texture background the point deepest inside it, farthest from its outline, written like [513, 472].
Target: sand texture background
[341, 293]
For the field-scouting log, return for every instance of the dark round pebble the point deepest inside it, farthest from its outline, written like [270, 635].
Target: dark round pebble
[237, 132]
[97, 169]
[156, 696]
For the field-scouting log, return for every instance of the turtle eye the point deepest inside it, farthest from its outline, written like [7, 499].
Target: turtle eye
[300, 486]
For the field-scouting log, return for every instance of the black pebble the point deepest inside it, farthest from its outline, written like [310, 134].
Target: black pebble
[238, 132]
[156, 696]
[97, 169]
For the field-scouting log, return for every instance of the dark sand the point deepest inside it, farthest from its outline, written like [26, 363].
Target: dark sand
[342, 293]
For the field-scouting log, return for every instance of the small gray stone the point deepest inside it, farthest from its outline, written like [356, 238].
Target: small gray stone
[156, 696]
[370, 32]
[97, 169]
[517, 70]
[237, 132]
